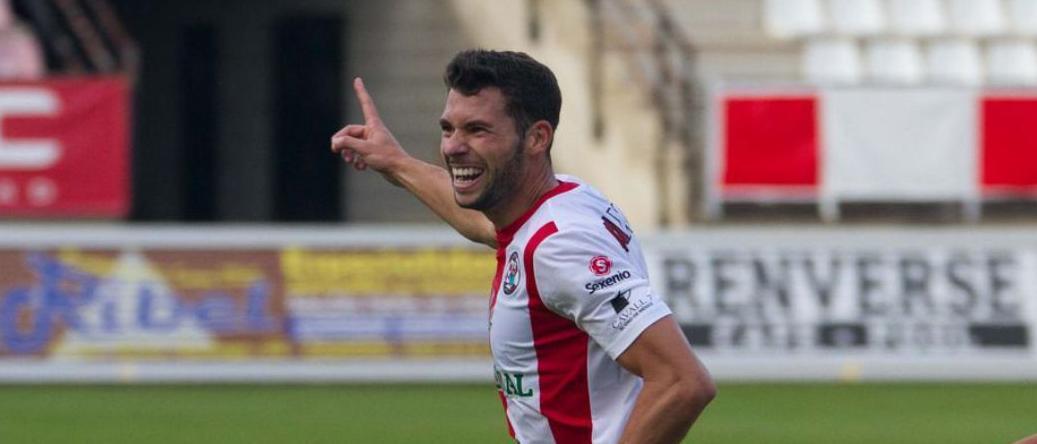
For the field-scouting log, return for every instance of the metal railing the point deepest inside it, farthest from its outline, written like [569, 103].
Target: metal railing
[663, 60]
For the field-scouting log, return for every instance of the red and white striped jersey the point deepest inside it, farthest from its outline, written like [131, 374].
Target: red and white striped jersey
[570, 295]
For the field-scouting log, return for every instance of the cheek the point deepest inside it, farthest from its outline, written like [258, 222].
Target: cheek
[499, 151]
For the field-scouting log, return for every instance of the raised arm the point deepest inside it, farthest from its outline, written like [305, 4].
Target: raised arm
[373, 145]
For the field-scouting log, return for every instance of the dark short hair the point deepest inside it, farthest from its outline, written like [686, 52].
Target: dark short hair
[529, 86]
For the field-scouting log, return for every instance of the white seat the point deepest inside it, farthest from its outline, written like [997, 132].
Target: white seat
[793, 18]
[895, 61]
[976, 17]
[1022, 17]
[916, 17]
[954, 61]
[857, 17]
[832, 61]
[1012, 63]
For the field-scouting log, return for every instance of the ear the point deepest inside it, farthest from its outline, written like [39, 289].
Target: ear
[539, 137]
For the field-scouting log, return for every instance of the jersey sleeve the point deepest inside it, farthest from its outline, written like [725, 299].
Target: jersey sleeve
[588, 278]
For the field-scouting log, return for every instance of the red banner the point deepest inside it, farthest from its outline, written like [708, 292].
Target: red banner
[1009, 154]
[770, 141]
[64, 148]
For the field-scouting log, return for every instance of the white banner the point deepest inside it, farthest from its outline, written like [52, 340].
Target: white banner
[899, 144]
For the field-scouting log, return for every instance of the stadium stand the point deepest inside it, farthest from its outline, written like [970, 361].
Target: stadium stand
[678, 55]
[903, 54]
[908, 41]
[916, 17]
[1022, 17]
[954, 61]
[832, 61]
[976, 17]
[894, 61]
[794, 18]
[857, 17]
[1012, 62]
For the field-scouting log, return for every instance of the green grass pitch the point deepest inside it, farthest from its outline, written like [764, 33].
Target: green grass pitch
[743, 413]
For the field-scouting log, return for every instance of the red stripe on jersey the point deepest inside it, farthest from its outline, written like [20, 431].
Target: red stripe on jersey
[504, 402]
[501, 250]
[561, 351]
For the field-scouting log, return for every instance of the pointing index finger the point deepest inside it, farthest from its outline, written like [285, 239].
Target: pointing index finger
[366, 102]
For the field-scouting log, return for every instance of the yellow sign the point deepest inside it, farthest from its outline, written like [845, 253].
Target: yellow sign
[399, 272]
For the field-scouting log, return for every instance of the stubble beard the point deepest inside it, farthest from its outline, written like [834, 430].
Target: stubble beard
[505, 182]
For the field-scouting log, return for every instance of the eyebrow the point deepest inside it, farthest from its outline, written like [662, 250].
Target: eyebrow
[444, 123]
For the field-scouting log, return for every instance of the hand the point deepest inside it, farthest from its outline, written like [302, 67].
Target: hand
[371, 144]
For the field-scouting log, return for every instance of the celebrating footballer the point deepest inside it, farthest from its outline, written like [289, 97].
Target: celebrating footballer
[583, 350]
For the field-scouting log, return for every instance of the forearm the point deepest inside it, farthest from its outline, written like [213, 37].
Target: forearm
[431, 185]
[664, 412]
[373, 145]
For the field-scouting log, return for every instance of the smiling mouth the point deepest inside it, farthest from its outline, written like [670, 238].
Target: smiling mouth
[465, 176]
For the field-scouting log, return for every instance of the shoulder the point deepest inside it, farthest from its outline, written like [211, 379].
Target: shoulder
[586, 216]
[578, 219]
[578, 241]
[580, 207]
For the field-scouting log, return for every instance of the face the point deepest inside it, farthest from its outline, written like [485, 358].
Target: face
[481, 149]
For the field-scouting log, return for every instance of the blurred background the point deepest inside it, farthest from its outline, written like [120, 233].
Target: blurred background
[829, 192]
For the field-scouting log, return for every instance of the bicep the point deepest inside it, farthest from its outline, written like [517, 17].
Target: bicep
[660, 351]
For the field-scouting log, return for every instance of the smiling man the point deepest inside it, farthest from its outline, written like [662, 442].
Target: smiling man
[583, 351]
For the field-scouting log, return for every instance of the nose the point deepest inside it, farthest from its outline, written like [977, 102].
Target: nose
[453, 145]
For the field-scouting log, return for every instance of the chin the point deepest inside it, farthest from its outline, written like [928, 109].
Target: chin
[477, 202]
[468, 202]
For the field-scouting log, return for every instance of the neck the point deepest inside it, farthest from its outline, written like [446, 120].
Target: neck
[522, 200]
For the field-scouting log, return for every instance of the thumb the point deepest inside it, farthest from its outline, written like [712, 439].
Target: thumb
[344, 141]
[355, 131]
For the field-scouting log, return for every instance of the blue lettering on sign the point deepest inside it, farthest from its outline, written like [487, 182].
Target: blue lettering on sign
[257, 311]
[18, 340]
[29, 316]
[150, 317]
[60, 293]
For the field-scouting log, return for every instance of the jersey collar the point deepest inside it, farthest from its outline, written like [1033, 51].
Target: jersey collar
[505, 234]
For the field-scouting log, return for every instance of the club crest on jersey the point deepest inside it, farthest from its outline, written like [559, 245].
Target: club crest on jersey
[600, 265]
[510, 282]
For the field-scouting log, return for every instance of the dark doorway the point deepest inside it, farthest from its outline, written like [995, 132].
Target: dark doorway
[307, 110]
[199, 114]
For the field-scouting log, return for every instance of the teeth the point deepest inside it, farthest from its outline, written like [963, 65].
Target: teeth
[466, 173]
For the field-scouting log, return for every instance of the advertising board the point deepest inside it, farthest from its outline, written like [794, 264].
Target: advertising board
[265, 304]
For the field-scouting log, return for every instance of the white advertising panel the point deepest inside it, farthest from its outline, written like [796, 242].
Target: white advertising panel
[851, 302]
